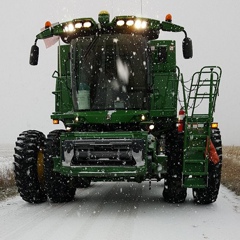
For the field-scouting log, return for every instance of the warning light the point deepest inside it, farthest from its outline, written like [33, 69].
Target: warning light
[48, 24]
[55, 121]
[214, 125]
[168, 18]
[103, 17]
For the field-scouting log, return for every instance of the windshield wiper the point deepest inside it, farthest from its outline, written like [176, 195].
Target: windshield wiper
[90, 46]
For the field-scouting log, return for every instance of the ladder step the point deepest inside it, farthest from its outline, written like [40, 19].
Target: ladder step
[194, 183]
[207, 80]
[197, 136]
[203, 96]
[195, 173]
[205, 85]
[197, 130]
[193, 148]
[200, 115]
[195, 161]
[198, 120]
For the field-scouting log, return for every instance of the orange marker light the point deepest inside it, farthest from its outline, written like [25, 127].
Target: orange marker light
[214, 125]
[48, 24]
[55, 121]
[168, 18]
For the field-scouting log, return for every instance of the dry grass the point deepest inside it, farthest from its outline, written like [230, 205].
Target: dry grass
[7, 184]
[231, 168]
[7, 179]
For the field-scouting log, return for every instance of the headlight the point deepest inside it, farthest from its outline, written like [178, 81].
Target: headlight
[140, 24]
[87, 24]
[144, 24]
[69, 28]
[143, 118]
[130, 22]
[76, 119]
[78, 25]
[151, 127]
[120, 22]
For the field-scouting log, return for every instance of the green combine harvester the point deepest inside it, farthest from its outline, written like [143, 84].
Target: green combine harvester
[117, 94]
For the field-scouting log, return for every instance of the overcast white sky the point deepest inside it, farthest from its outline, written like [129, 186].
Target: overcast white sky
[26, 100]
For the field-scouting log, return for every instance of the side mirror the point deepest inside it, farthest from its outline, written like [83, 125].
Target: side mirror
[34, 55]
[187, 48]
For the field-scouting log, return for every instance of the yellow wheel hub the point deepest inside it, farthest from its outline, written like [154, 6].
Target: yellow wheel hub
[40, 166]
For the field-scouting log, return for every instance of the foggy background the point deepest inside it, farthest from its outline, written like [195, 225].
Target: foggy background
[26, 99]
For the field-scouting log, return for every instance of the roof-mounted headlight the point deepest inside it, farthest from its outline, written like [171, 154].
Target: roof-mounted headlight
[120, 23]
[87, 24]
[144, 24]
[78, 25]
[130, 23]
[69, 28]
[140, 24]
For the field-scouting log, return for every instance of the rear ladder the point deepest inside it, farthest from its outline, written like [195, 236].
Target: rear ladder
[199, 108]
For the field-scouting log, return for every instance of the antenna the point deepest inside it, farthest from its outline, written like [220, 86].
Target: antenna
[141, 8]
[112, 9]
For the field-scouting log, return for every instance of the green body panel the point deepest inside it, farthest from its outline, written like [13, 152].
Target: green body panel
[163, 101]
[64, 60]
[63, 99]
[131, 173]
[137, 174]
[168, 26]
[169, 65]
[165, 80]
[123, 116]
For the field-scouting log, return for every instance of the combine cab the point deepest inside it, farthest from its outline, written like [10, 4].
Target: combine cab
[116, 93]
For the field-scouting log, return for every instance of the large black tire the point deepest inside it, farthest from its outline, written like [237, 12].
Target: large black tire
[173, 191]
[59, 188]
[83, 182]
[28, 166]
[210, 193]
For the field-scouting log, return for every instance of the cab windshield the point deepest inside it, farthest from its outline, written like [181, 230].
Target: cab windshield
[109, 72]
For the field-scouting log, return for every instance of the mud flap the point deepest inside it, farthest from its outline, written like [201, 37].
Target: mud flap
[211, 152]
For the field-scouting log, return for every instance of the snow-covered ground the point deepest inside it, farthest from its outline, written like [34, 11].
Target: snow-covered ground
[119, 211]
